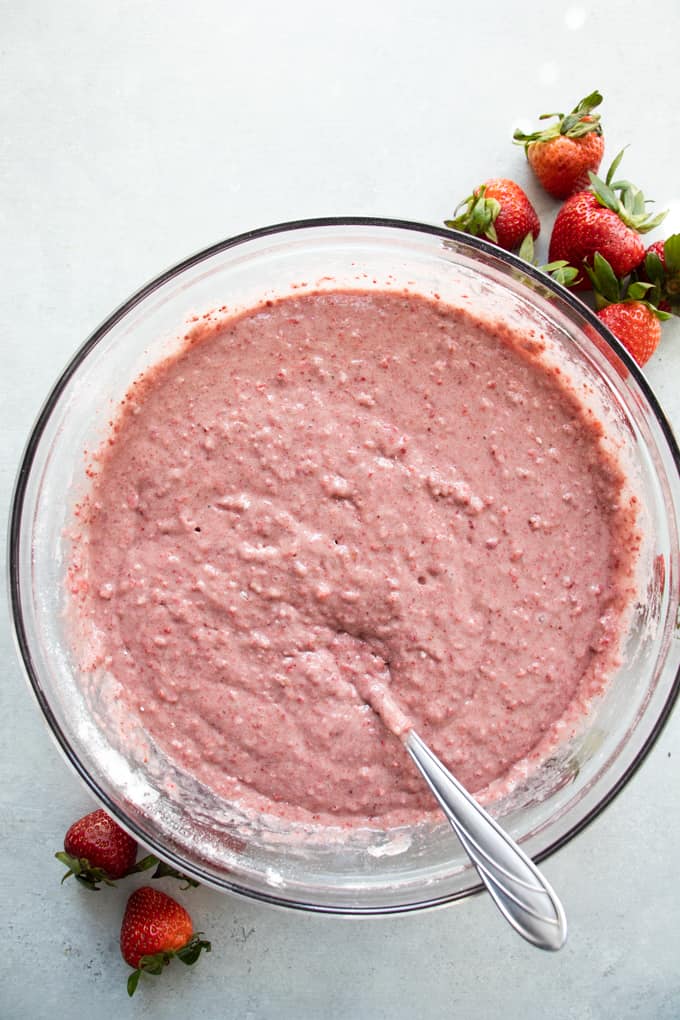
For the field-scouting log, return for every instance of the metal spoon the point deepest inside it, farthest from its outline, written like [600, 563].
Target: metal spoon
[516, 885]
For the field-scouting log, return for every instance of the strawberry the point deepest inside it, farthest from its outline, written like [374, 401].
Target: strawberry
[563, 154]
[499, 211]
[661, 267]
[658, 248]
[626, 310]
[636, 325]
[608, 218]
[582, 227]
[155, 929]
[97, 850]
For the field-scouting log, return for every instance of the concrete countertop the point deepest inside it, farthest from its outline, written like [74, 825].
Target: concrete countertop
[137, 132]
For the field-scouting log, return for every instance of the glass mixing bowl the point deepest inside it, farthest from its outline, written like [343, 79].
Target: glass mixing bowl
[365, 871]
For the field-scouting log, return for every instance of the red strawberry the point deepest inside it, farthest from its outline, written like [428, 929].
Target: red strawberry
[96, 849]
[657, 247]
[499, 211]
[583, 226]
[156, 928]
[609, 219]
[627, 309]
[636, 325]
[562, 155]
[661, 268]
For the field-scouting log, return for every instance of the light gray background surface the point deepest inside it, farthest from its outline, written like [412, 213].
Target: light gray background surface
[134, 133]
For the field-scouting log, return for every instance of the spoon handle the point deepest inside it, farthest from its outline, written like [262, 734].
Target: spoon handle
[516, 885]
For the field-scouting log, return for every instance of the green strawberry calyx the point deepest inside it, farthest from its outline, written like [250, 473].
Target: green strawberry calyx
[92, 877]
[625, 199]
[156, 962]
[665, 275]
[476, 215]
[581, 121]
[163, 870]
[609, 289]
[88, 876]
[559, 270]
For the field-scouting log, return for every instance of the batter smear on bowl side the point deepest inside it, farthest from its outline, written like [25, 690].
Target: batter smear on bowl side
[344, 489]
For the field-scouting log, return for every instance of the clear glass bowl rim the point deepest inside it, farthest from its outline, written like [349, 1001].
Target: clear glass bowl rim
[35, 436]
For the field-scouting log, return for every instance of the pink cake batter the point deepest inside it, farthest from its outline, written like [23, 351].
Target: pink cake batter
[336, 497]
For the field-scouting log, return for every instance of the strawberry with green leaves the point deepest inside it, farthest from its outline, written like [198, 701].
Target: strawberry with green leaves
[608, 218]
[627, 310]
[563, 154]
[661, 268]
[97, 850]
[155, 930]
[636, 325]
[499, 211]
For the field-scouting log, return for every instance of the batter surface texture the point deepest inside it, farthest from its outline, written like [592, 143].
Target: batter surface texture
[339, 493]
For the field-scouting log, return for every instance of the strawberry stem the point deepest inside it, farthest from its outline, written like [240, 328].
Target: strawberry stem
[559, 270]
[163, 870]
[92, 877]
[133, 981]
[476, 215]
[82, 870]
[625, 199]
[157, 962]
[609, 289]
[580, 122]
